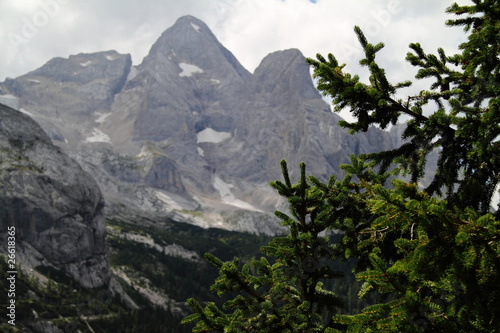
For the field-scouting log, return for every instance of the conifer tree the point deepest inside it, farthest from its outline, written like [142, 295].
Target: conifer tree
[431, 255]
[282, 292]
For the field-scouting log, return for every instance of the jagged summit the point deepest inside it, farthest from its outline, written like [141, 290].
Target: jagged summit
[193, 48]
[186, 60]
[189, 128]
[191, 22]
[86, 82]
[285, 72]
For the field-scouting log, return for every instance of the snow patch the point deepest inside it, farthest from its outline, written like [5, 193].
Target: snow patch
[196, 27]
[167, 200]
[215, 81]
[33, 81]
[10, 100]
[110, 57]
[98, 136]
[200, 151]
[145, 152]
[212, 136]
[8, 96]
[102, 117]
[85, 64]
[189, 69]
[26, 112]
[228, 197]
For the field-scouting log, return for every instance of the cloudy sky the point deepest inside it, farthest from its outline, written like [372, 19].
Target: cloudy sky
[34, 31]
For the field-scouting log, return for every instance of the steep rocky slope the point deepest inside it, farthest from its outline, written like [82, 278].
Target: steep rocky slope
[56, 208]
[189, 133]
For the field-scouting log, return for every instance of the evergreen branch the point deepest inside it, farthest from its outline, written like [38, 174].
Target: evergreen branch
[406, 110]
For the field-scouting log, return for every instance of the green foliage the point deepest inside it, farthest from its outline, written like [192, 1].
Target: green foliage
[284, 291]
[64, 303]
[465, 130]
[430, 256]
[179, 278]
[442, 273]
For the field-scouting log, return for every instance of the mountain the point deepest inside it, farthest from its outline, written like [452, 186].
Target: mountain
[189, 134]
[167, 159]
[56, 208]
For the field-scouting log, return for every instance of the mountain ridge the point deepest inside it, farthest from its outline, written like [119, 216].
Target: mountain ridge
[189, 129]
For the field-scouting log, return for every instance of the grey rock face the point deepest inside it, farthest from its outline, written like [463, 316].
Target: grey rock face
[284, 116]
[57, 208]
[282, 75]
[189, 128]
[82, 84]
[188, 82]
[164, 175]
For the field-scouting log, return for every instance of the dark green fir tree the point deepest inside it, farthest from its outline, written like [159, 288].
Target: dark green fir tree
[430, 256]
[283, 291]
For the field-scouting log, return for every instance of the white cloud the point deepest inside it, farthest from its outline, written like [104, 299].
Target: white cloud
[250, 29]
[326, 26]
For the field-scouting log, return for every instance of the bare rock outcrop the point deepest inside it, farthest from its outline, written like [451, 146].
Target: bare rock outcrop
[57, 209]
[189, 128]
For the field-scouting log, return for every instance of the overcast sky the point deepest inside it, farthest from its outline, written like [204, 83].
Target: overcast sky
[34, 31]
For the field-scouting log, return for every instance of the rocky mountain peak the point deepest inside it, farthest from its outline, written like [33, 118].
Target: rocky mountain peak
[85, 67]
[191, 22]
[190, 129]
[187, 60]
[285, 72]
[83, 83]
[188, 48]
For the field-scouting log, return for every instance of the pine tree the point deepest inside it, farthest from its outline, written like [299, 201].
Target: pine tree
[465, 132]
[282, 292]
[431, 255]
